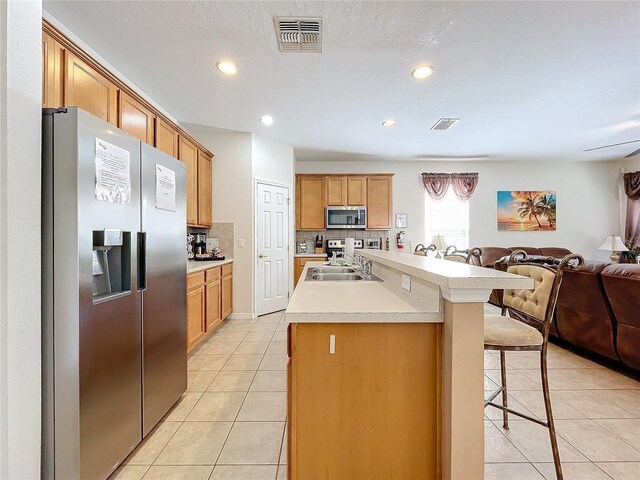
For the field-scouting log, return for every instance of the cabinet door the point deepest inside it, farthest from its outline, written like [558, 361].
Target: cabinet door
[312, 201]
[189, 155]
[356, 188]
[379, 202]
[195, 316]
[136, 119]
[227, 295]
[204, 189]
[336, 191]
[214, 312]
[166, 138]
[88, 89]
[48, 69]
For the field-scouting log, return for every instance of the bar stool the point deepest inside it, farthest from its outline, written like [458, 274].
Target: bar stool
[536, 307]
[422, 250]
[461, 256]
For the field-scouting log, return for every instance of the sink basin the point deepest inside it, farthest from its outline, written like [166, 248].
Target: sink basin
[336, 276]
[333, 270]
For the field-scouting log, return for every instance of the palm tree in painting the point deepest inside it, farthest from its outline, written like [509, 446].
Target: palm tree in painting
[529, 209]
[546, 205]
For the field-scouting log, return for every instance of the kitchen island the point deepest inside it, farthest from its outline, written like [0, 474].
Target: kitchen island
[386, 382]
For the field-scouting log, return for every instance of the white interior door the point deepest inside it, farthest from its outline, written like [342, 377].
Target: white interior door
[272, 275]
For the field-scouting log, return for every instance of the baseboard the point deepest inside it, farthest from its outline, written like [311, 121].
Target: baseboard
[242, 316]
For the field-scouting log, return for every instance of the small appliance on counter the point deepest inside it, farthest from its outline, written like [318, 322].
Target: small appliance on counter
[197, 248]
[375, 243]
[319, 244]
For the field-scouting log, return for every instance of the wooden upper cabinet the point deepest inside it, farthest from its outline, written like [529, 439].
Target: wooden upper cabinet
[336, 191]
[310, 202]
[379, 202]
[48, 69]
[52, 59]
[88, 89]
[189, 155]
[356, 191]
[166, 138]
[204, 189]
[136, 119]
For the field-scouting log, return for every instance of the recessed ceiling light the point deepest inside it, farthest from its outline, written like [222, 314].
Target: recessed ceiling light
[227, 67]
[389, 123]
[266, 120]
[422, 71]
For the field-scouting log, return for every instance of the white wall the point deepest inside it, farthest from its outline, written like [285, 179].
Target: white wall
[587, 199]
[239, 160]
[20, 136]
[275, 162]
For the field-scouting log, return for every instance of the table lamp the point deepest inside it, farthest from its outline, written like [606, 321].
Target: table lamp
[615, 245]
[440, 243]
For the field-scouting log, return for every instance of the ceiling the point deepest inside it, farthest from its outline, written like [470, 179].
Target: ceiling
[529, 80]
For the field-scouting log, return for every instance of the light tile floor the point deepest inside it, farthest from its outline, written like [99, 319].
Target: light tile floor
[230, 423]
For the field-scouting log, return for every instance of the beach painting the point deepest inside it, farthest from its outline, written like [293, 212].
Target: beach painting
[526, 211]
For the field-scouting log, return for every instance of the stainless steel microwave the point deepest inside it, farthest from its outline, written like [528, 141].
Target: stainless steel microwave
[347, 217]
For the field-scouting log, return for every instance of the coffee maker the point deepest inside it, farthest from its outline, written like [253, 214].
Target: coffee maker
[199, 244]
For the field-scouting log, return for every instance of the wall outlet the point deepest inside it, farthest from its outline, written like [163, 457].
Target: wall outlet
[332, 344]
[241, 243]
[406, 282]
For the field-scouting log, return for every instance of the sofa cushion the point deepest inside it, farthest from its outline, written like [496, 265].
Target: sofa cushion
[582, 315]
[557, 252]
[528, 250]
[622, 286]
[491, 254]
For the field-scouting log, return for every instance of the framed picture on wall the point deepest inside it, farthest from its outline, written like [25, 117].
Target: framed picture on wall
[526, 211]
[401, 220]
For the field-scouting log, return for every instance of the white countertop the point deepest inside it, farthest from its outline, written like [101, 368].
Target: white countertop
[350, 302]
[446, 273]
[196, 266]
[306, 255]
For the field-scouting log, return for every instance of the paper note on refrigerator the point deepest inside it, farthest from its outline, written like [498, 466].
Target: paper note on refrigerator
[113, 173]
[165, 188]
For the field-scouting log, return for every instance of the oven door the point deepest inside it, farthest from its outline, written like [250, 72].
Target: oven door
[346, 217]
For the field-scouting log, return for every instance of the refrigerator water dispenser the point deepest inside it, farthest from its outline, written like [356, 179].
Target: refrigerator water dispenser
[111, 270]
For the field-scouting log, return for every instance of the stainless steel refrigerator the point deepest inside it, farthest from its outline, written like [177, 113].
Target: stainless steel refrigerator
[113, 292]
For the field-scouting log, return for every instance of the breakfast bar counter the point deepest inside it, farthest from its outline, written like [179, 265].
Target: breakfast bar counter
[385, 378]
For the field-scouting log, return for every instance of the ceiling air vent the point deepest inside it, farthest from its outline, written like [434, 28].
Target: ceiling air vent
[445, 123]
[299, 34]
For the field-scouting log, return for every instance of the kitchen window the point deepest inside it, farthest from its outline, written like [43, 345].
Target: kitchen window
[448, 217]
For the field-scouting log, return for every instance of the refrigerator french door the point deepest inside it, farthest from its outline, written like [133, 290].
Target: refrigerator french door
[113, 291]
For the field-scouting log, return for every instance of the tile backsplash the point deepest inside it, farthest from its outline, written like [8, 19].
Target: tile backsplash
[224, 232]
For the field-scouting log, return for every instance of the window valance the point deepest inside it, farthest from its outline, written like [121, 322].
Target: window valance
[437, 184]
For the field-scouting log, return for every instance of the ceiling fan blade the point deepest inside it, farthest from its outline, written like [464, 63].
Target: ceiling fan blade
[609, 146]
[633, 154]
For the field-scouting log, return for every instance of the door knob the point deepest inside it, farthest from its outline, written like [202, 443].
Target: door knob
[262, 256]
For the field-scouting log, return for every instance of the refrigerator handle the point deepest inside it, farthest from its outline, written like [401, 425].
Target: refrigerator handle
[142, 261]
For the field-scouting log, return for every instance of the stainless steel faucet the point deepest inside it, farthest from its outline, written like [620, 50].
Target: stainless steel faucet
[362, 263]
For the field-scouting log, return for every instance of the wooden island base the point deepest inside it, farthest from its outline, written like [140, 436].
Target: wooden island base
[371, 410]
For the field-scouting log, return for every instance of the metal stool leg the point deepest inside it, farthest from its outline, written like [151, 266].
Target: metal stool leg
[547, 406]
[503, 373]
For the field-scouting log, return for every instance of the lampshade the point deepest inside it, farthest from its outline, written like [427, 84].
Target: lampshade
[439, 241]
[613, 243]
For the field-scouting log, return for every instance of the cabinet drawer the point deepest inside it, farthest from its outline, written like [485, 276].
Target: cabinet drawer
[213, 274]
[227, 269]
[195, 280]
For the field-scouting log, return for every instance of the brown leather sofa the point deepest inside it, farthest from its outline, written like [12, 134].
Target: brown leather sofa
[598, 309]
[622, 286]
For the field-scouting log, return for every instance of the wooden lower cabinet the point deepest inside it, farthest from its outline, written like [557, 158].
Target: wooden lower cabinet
[213, 317]
[209, 301]
[369, 410]
[195, 315]
[227, 294]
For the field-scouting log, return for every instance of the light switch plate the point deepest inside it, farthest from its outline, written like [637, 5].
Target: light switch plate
[406, 282]
[241, 243]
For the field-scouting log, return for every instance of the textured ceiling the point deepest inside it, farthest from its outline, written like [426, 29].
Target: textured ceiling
[530, 80]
